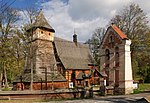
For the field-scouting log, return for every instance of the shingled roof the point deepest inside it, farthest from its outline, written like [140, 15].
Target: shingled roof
[41, 22]
[72, 55]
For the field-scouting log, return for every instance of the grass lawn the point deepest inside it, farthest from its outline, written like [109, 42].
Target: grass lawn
[142, 88]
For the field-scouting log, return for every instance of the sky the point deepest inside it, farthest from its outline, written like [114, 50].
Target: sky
[81, 16]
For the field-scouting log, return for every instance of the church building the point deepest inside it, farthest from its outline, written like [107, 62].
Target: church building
[116, 60]
[54, 62]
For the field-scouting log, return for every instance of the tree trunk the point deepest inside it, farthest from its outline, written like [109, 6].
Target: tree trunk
[1, 75]
[31, 84]
[5, 75]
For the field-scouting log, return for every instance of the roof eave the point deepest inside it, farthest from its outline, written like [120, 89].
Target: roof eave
[35, 27]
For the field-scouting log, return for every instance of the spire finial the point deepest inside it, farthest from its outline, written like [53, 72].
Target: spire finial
[112, 23]
[75, 31]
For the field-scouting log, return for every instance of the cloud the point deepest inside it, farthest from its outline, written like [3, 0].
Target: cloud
[91, 9]
[83, 15]
[23, 19]
[57, 13]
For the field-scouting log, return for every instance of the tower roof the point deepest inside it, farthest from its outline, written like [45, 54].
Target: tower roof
[41, 22]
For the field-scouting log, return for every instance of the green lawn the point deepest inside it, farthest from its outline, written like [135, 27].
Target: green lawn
[142, 88]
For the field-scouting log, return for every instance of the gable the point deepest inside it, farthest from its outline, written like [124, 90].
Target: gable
[112, 37]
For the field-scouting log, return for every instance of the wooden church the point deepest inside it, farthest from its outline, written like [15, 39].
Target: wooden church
[54, 63]
[116, 60]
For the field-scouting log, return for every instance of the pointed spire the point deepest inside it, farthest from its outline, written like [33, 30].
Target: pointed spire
[42, 22]
[74, 31]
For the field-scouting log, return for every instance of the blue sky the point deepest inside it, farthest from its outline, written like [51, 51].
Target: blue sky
[23, 4]
[82, 15]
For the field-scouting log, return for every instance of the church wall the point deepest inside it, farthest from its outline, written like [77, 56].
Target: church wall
[70, 71]
[37, 85]
[77, 71]
[56, 85]
[44, 56]
[122, 66]
[43, 34]
[128, 67]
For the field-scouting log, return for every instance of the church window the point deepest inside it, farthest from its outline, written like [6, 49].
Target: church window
[41, 32]
[107, 58]
[73, 75]
[117, 56]
[116, 65]
[86, 83]
[111, 39]
[79, 81]
[95, 74]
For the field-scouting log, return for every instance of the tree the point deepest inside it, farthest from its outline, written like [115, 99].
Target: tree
[143, 60]
[133, 22]
[7, 19]
[27, 38]
[94, 43]
[17, 52]
[144, 67]
[37, 48]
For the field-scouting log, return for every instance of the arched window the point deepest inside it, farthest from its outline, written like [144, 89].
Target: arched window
[117, 65]
[107, 57]
[117, 56]
[111, 39]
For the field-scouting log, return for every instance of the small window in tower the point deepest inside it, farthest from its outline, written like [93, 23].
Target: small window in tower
[117, 56]
[107, 57]
[49, 34]
[95, 74]
[41, 32]
[111, 39]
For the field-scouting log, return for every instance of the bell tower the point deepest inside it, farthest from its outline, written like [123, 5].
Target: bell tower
[42, 57]
[41, 29]
[116, 60]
